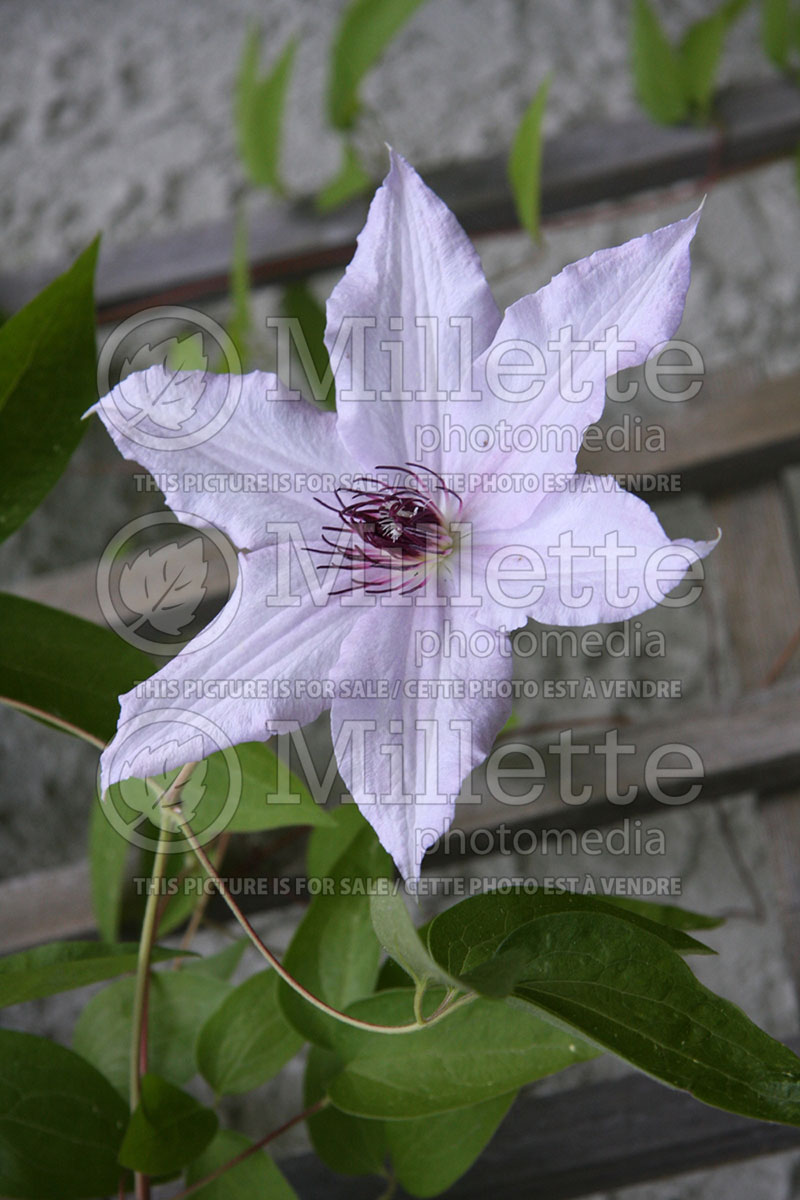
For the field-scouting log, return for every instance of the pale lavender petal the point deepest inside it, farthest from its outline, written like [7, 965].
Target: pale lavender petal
[437, 714]
[618, 305]
[413, 262]
[245, 453]
[238, 684]
[589, 553]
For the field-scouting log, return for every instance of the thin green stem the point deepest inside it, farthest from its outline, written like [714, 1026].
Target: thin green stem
[142, 982]
[266, 953]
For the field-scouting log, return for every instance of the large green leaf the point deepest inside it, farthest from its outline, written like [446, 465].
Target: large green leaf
[47, 381]
[627, 991]
[467, 935]
[525, 163]
[61, 1122]
[325, 846]
[108, 855]
[485, 1049]
[657, 67]
[365, 30]
[179, 1005]
[334, 952]
[248, 1039]
[62, 966]
[350, 1145]
[256, 1178]
[431, 1154]
[65, 670]
[259, 112]
[167, 1130]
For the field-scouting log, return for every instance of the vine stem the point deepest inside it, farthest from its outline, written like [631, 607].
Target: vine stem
[138, 1051]
[279, 968]
[256, 1146]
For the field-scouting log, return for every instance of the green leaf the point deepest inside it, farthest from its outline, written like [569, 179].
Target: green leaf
[222, 964]
[350, 180]
[47, 381]
[272, 796]
[629, 992]
[428, 1156]
[259, 112]
[365, 30]
[349, 1145]
[309, 353]
[108, 856]
[256, 1176]
[464, 937]
[525, 163]
[665, 914]
[776, 31]
[63, 966]
[248, 1039]
[396, 933]
[61, 1122]
[180, 1003]
[325, 846]
[64, 670]
[485, 1049]
[167, 1130]
[657, 68]
[700, 52]
[334, 952]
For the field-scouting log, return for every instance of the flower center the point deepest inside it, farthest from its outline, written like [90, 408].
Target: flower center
[390, 535]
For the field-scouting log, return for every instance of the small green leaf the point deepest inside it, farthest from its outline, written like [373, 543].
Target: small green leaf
[64, 670]
[700, 52]
[180, 1003]
[272, 796]
[260, 104]
[167, 1130]
[350, 180]
[629, 992]
[525, 163]
[325, 846]
[334, 952]
[776, 30]
[247, 1040]
[309, 353]
[108, 856]
[429, 1155]
[396, 933]
[222, 964]
[61, 1122]
[47, 381]
[657, 70]
[255, 1177]
[349, 1145]
[365, 30]
[485, 1049]
[63, 966]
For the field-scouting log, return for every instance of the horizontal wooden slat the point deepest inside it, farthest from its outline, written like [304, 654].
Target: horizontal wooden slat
[581, 167]
[604, 1136]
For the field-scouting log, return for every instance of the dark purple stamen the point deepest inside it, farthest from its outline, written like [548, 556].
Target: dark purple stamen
[387, 534]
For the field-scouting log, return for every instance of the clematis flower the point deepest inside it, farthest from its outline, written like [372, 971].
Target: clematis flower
[413, 560]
